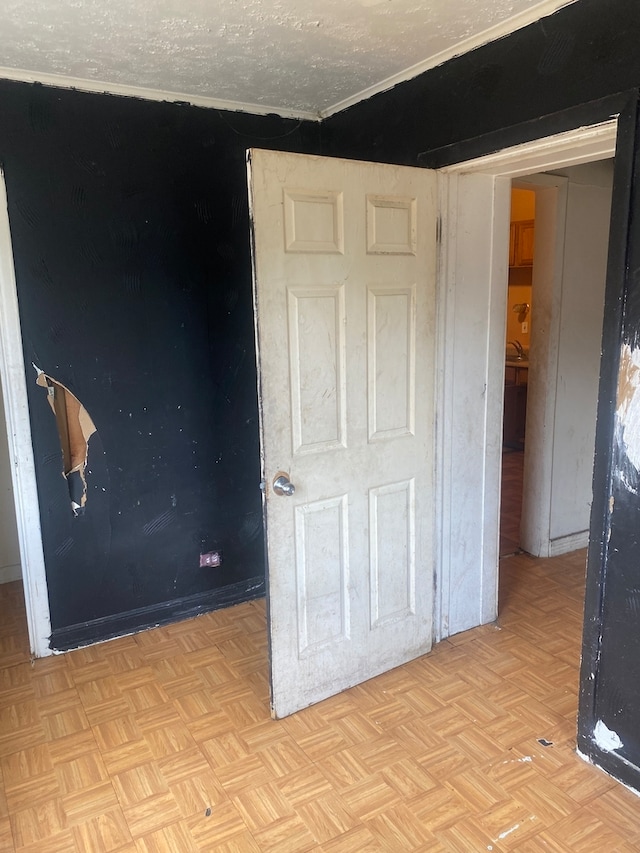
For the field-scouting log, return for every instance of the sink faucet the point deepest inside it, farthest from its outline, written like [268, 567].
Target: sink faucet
[518, 348]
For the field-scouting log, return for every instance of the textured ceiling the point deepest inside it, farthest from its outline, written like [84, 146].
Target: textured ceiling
[294, 57]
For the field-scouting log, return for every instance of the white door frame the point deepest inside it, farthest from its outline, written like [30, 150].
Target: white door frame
[475, 199]
[23, 475]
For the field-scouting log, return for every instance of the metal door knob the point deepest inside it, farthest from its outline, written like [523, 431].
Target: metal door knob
[283, 486]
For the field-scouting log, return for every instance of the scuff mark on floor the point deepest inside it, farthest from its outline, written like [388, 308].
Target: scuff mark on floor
[508, 831]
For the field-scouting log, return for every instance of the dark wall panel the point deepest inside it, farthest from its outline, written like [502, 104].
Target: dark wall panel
[129, 225]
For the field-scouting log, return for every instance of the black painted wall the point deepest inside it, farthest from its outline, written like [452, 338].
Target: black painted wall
[129, 225]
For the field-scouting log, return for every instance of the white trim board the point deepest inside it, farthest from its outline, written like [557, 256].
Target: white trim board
[581, 145]
[101, 87]
[14, 386]
[566, 544]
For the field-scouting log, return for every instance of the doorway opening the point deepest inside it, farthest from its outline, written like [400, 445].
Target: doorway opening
[557, 380]
[516, 372]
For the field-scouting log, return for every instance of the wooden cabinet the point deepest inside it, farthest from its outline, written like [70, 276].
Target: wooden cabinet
[521, 243]
[515, 406]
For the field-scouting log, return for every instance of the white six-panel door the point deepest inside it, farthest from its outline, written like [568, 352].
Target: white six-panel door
[344, 268]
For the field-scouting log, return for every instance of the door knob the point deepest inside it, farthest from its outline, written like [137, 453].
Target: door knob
[283, 486]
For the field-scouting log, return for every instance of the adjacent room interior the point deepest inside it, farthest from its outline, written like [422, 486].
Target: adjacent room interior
[546, 450]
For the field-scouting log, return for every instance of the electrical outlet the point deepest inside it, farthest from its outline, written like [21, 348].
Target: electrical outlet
[211, 560]
[525, 328]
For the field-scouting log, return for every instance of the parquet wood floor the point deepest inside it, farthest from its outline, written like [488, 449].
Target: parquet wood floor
[162, 742]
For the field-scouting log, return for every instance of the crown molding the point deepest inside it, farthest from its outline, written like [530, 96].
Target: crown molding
[99, 87]
[498, 31]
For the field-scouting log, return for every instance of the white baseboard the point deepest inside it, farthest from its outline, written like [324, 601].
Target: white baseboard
[10, 573]
[566, 544]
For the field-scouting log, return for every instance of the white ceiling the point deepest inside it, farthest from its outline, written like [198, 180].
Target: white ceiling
[303, 58]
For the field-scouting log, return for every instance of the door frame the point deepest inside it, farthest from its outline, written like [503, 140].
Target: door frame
[18, 426]
[475, 203]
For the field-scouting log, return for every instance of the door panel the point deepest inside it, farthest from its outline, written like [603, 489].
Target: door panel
[344, 269]
[316, 322]
[391, 361]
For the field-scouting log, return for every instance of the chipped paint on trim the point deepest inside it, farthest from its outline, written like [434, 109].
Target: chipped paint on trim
[627, 427]
[606, 739]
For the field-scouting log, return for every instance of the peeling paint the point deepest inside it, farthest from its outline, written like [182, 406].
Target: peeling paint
[605, 738]
[75, 428]
[627, 428]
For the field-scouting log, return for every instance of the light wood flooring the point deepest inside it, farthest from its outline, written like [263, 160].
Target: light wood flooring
[163, 742]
